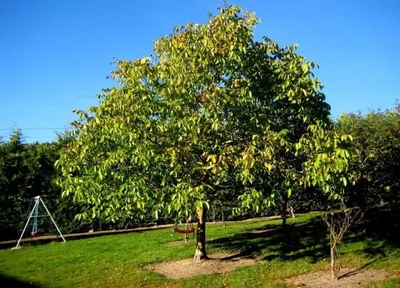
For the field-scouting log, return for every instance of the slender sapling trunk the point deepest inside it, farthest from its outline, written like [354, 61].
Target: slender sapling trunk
[338, 223]
[335, 266]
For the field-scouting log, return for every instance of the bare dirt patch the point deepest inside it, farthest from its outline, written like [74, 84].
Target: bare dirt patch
[219, 263]
[350, 278]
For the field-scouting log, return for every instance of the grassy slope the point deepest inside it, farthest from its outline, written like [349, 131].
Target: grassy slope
[115, 261]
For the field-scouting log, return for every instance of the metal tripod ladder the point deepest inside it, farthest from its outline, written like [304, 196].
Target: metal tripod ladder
[34, 214]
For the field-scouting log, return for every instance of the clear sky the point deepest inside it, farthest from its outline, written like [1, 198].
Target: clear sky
[55, 55]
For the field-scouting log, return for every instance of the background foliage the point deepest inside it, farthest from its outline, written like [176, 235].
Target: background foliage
[27, 170]
[213, 119]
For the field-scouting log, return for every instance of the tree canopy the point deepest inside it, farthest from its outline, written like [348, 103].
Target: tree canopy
[211, 108]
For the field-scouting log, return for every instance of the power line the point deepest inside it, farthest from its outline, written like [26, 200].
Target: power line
[37, 128]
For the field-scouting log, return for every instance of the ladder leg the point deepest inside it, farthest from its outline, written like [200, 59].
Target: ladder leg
[44, 205]
[26, 225]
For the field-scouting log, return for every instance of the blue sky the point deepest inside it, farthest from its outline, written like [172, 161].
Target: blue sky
[55, 55]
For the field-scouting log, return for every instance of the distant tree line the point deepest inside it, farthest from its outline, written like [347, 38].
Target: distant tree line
[28, 170]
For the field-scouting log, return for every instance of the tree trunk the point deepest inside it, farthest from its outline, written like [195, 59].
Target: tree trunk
[214, 214]
[291, 211]
[223, 218]
[335, 267]
[284, 213]
[284, 222]
[200, 253]
[342, 204]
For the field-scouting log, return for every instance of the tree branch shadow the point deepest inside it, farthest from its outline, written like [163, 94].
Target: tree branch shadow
[292, 243]
[355, 271]
[234, 257]
[310, 240]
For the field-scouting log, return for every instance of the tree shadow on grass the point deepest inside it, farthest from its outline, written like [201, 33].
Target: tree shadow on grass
[11, 282]
[310, 240]
[380, 224]
[297, 241]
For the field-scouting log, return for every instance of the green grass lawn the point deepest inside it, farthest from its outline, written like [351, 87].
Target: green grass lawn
[117, 260]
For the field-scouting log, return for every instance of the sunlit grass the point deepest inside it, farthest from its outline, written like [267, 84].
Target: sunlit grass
[118, 260]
